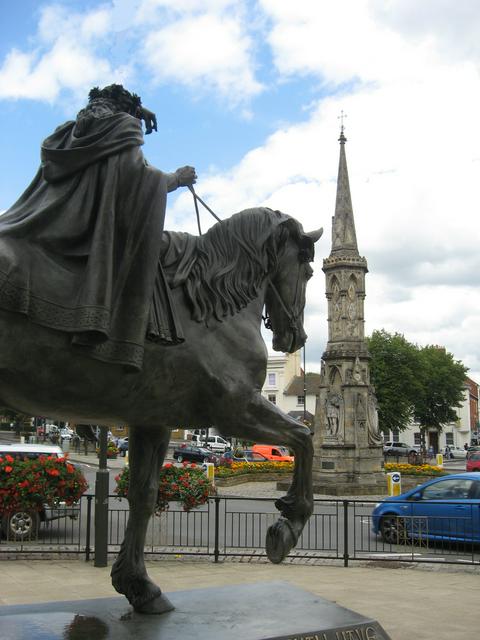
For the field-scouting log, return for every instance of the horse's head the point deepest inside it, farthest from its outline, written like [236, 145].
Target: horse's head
[285, 297]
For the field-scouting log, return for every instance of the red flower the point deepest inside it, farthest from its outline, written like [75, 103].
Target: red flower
[9, 458]
[169, 464]
[53, 472]
[8, 469]
[70, 468]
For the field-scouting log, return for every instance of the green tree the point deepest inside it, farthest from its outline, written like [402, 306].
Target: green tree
[442, 389]
[394, 373]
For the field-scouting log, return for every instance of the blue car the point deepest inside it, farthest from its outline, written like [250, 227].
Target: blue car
[447, 508]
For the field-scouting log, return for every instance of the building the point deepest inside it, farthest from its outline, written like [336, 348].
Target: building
[284, 386]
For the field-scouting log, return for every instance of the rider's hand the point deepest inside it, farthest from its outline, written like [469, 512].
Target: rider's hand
[186, 176]
[149, 118]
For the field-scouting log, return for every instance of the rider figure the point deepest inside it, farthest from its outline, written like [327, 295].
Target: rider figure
[80, 249]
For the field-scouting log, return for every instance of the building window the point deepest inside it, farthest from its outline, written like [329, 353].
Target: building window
[300, 400]
[272, 379]
[449, 439]
[272, 398]
[417, 438]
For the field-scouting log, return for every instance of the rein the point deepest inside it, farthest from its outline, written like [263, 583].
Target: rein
[293, 317]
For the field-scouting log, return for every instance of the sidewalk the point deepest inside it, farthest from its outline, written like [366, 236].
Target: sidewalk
[423, 604]
[92, 460]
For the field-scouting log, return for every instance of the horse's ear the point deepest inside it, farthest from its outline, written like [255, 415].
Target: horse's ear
[315, 235]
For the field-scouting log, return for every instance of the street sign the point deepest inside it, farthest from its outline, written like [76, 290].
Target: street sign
[394, 483]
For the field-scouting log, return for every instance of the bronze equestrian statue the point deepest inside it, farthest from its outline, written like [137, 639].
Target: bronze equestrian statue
[107, 320]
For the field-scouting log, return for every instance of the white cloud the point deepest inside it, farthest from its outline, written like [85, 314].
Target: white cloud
[338, 41]
[65, 65]
[205, 46]
[206, 53]
[452, 26]
[64, 57]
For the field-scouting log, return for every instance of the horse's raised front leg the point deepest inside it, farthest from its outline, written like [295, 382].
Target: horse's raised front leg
[147, 449]
[263, 422]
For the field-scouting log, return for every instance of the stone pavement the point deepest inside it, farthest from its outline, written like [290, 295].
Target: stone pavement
[410, 604]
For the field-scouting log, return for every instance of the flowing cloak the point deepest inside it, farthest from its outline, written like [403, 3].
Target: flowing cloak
[80, 249]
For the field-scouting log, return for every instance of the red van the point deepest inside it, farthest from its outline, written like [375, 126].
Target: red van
[273, 452]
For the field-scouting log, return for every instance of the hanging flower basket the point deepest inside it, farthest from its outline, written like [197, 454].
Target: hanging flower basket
[31, 484]
[187, 485]
[112, 450]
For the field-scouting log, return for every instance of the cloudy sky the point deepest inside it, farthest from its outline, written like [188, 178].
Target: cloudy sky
[249, 92]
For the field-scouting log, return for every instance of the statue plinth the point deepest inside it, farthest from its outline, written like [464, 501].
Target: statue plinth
[231, 612]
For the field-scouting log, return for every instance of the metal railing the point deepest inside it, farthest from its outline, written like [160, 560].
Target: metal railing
[338, 530]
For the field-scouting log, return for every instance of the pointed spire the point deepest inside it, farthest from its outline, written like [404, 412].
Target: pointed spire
[344, 239]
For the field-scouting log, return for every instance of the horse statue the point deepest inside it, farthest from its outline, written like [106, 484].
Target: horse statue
[221, 282]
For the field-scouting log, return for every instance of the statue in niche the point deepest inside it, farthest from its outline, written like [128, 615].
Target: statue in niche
[374, 435]
[336, 309]
[360, 412]
[352, 311]
[334, 412]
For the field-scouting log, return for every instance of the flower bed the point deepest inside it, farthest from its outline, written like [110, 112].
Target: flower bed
[187, 484]
[241, 472]
[414, 469]
[253, 468]
[30, 484]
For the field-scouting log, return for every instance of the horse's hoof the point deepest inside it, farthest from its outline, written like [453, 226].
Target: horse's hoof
[156, 606]
[280, 539]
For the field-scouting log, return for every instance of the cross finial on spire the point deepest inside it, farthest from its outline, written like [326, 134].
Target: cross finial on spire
[342, 117]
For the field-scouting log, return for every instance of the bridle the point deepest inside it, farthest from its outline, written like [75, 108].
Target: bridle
[292, 316]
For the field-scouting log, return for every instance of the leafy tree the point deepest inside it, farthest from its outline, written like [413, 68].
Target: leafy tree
[425, 384]
[394, 373]
[442, 389]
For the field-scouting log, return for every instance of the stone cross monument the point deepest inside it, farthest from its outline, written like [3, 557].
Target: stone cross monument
[348, 446]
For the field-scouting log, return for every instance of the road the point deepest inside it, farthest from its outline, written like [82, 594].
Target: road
[242, 527]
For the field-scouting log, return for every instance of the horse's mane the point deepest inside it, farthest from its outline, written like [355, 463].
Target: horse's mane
[223, 270]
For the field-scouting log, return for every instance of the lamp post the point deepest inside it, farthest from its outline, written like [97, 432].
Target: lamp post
[304, 389]
[101, 503]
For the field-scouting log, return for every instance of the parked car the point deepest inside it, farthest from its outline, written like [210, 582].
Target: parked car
[31, 451]
[471, 451]
[446, 508]
[192, 453]
[215, 443]
[473, 462]
[280, 454]
[455, 453]
[399, 449]
[246, 456]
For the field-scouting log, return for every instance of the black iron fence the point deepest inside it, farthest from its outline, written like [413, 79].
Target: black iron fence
[339, 530]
